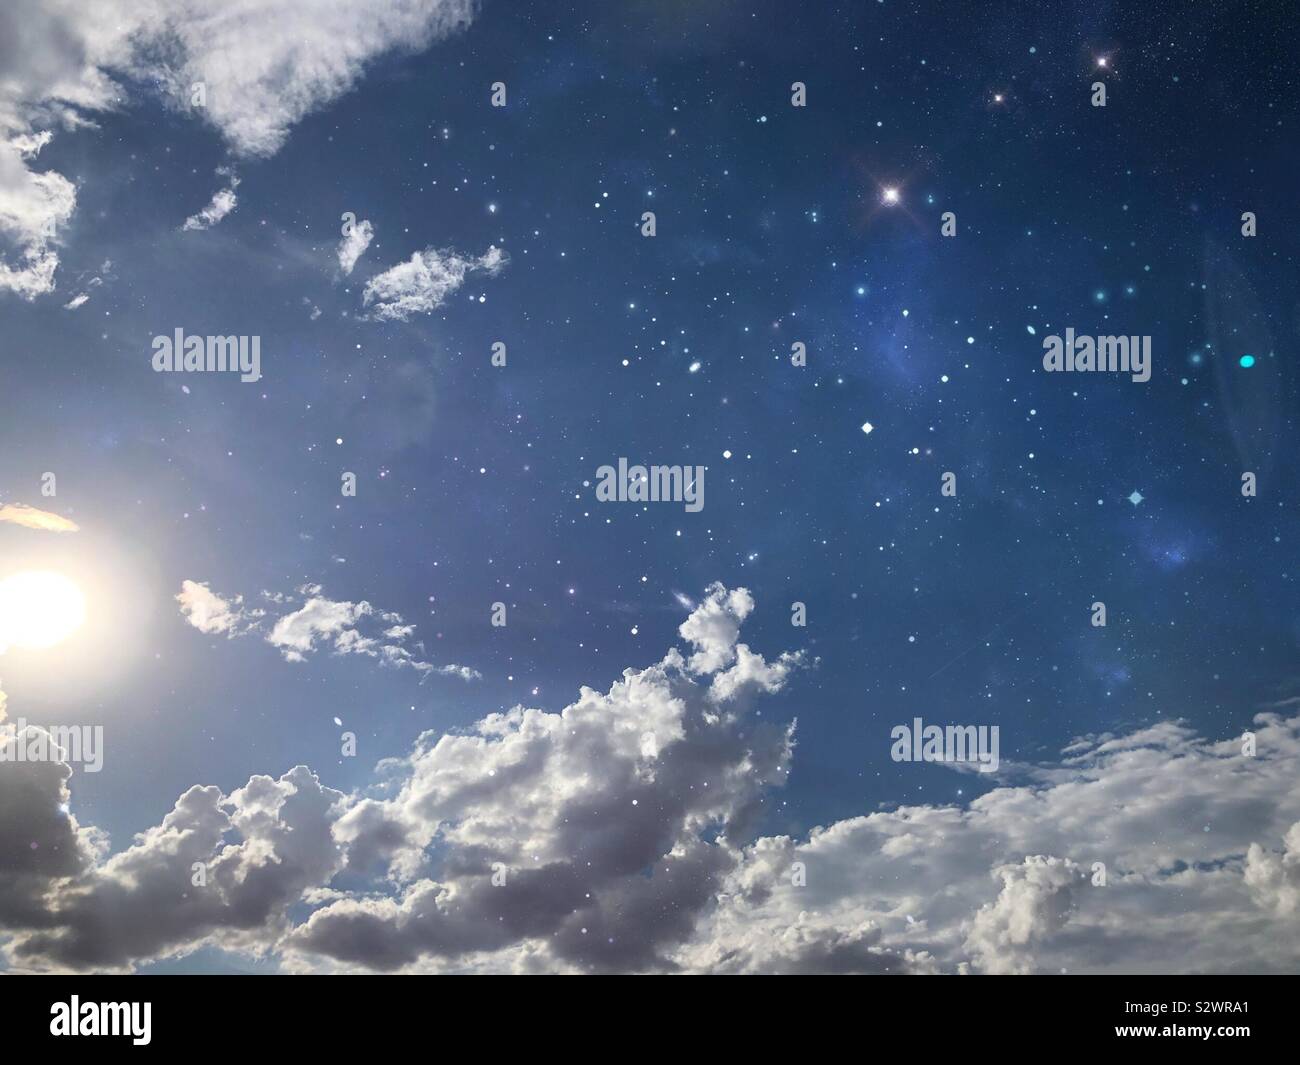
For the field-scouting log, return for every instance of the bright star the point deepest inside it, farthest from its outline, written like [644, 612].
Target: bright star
[1135, 498]
[889, 196]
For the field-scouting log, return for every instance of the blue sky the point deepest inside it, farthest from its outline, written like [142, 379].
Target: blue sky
[475, 485]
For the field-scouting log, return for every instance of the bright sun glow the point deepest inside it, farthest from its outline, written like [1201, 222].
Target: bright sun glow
[39, 608]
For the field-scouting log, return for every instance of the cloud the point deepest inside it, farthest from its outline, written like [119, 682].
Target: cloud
[31, 518]
[41, 843]
[258, 850]
[1275, 878]
[355, 241]
[620, 834]
[222, 203]
[1035, 901]
[213, 615]
[423, 283]
[66, 63]
[34, 206]
[296, 634]
[80, 298]
[318, 622]
[1187, 830]
[294, 56]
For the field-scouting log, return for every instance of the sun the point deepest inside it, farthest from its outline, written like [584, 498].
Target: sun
[38, 609]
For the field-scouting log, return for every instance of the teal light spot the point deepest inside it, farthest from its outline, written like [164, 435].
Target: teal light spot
[1247, 361]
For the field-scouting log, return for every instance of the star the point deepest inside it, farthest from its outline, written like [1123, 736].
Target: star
[889, 196]
[1135, 498]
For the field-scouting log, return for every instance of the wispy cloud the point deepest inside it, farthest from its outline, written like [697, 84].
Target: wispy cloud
[222, 203]
[425, 281]
[354, 243]
[31, 518]
[76, 61]
[314, 622]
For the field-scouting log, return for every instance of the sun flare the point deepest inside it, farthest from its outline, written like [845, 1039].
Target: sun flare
[38, 609]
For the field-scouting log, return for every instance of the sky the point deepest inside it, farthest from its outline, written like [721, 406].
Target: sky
[387, 682]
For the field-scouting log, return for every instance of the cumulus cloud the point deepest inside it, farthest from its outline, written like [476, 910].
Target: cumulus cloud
[318, 622]
[296, 634]
[34, 799]
[425, 281]
[1148, 852]
[258, 850]
[1275, 878]
[222, 203]
[620, 834]
[354, 243]
[65, 63]
[212, 614]
[31, 518]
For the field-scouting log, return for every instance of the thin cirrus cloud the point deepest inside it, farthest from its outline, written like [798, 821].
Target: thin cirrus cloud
[318, 623]
[66, 64]
[32, 518]
[620, 835]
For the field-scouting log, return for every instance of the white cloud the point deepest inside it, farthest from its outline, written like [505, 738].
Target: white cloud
[317, 622]
[353, 244]
[295, 56]
[66, 62]
[1275, 878]
[1187, 829]
[296, 634]
[421, 284]
[222, 203]
[34, 206]
[625, 828]
[212, 614]
[32, 518]
[714, 625]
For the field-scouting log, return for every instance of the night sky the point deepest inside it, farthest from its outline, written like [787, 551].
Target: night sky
[476, 484]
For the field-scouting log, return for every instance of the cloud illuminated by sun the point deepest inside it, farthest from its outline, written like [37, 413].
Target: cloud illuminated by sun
[31, 518]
